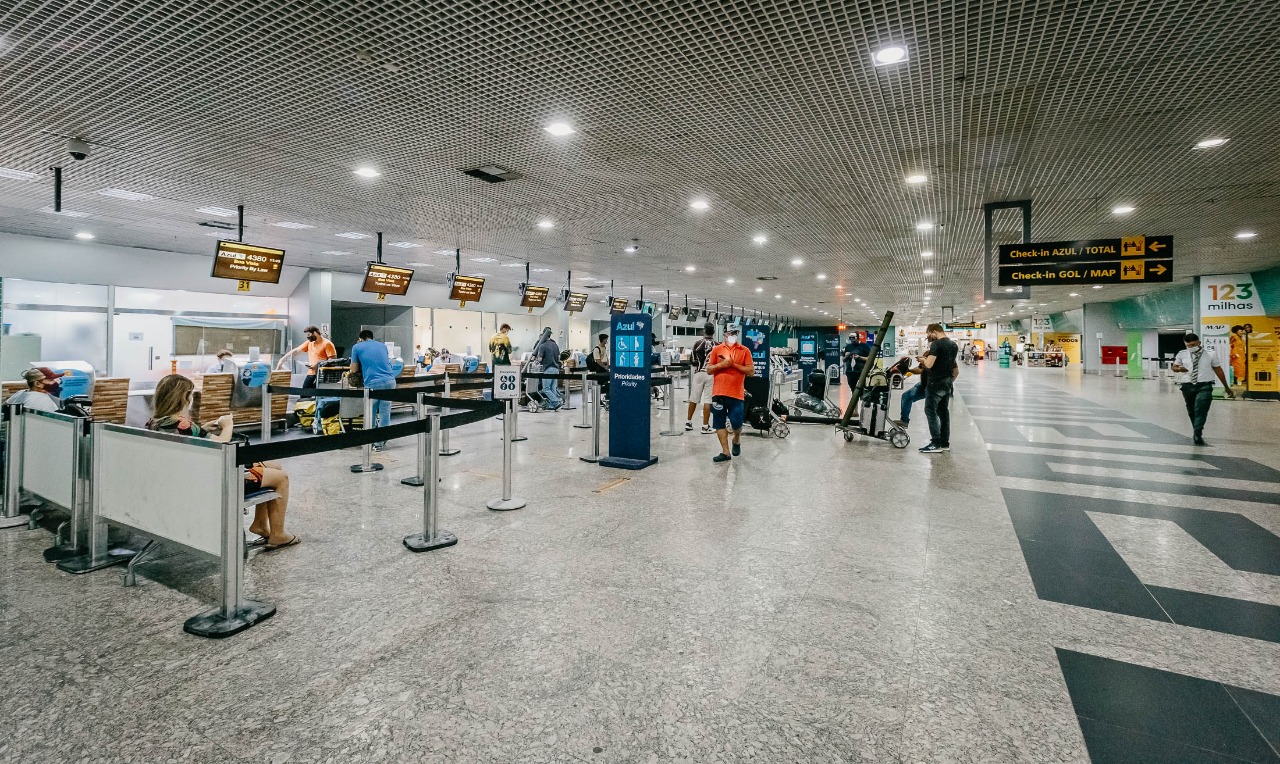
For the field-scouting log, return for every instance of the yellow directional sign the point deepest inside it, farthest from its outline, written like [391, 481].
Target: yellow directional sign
[1132, 270]
[1131, 246]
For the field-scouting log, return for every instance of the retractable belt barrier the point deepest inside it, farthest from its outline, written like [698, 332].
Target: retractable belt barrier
[475, 411]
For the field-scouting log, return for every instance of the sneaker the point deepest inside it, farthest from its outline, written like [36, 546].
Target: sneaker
[706, 429]
[932, 449]
[737, 449]
[688, 426]
[1199, 441]
[903, 423]
[721, 458]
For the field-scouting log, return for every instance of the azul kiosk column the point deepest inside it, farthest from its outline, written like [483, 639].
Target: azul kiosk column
[629, 380]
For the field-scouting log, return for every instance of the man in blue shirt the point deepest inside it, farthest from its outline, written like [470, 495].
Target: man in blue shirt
[373, 362]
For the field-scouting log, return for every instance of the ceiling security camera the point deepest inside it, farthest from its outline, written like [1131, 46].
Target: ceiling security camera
[78, 149]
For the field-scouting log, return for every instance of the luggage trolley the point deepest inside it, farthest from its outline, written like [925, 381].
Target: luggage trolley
[872, 389]
[331, 375]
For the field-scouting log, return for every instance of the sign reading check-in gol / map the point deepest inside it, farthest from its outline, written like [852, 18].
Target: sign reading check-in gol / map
[1126, 260]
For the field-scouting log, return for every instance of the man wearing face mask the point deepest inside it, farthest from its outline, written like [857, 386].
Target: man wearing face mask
[317, 349]
[43, 388]
[1201, 367]
[729, 366]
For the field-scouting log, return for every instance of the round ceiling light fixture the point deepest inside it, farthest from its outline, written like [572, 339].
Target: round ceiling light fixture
[700, 204]
[367, 172]
[1211, 143]
[889, 54]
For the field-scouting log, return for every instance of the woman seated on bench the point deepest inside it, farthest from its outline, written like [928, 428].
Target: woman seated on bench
[172, 414]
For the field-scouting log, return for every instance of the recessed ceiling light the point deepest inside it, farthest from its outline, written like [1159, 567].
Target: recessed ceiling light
[928, 271]
[131, 196]
[1009, 289]
[928, 291]
[442, 252]
[484, 259]
[1074, 294]
[1043, 304]
[913, 179]
[65, 213]
[1123, 209]
[761, 239]
[341, 252]
[926, 254]
[793, 302]
[690, 268]
[513, 265]
[924, 226]
[821, 277]
[353, 235]
[560, 128]
[759, 289]
[631, 248]
[5, 172]
[1246, 235]
[890, 54]
[415, 265]
[728, 281]
[288, 224]
[700, 204]
[1097, 286]
[541, 270]
[84, 235]
[797, 261]
[402, 244]
[367, 172]
[219, 211]
[546, 224]
[777, 297]
[1211, 143]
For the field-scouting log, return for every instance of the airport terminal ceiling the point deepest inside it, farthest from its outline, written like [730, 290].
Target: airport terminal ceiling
[776, 115]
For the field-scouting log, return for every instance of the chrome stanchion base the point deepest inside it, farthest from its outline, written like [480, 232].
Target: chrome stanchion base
[214, 625]
[64, 552]
[14, 522]
[414, 481]
[590, 459]
[519, 438]
[449, 452]
[419, 542]
[88, 563]
[375, 467]
[670, 434]
[582, 426]
[506, 505]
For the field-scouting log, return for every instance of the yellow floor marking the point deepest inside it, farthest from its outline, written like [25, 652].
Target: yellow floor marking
[611, 484]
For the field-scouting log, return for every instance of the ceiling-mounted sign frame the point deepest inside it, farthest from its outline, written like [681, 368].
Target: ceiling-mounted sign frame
[1123, 260]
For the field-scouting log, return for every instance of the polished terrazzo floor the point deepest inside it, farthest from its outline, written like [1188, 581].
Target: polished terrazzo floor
[1073, 581]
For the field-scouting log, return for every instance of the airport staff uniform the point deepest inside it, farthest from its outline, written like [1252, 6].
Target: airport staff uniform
[1203, 367]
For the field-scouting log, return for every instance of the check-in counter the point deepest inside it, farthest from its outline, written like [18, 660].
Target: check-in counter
[110, 396]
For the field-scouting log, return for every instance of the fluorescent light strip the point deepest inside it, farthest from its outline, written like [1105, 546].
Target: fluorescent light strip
[11, 174]
[219, 211]
[404, 244]
[131, 196]
[288, 224]
[353, 235]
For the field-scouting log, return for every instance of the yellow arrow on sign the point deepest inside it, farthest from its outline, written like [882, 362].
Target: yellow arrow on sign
[1158, 269]
[1156, 246]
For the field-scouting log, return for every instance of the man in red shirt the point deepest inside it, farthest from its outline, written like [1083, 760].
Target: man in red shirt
[729, 366]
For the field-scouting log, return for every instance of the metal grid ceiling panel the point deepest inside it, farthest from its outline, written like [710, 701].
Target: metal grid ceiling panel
[774, 112]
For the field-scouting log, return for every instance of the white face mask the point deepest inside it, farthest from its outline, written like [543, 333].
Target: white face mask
[732, 339]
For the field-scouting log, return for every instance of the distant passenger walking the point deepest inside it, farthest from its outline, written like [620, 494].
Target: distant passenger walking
[1201, 366]
[940, 360]
[729, 366]
[700, 385]
[372, 361]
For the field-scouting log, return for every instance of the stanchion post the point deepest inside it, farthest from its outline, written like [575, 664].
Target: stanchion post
[672, 431]
[234, 613]
[595, 427]
[366, 460]
[431, 537]
[266, 413]
[567, 405]
[584, 403]
[12, 516]
[98, 554]
[77, 541]
[507, 503]
[444, 448]
[417, 479]
[513, 411]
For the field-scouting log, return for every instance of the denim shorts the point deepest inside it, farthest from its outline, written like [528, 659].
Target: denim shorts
[723, 407]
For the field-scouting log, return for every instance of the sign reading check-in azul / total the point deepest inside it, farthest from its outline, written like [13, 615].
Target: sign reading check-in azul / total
[629, 377]
[1130, 259]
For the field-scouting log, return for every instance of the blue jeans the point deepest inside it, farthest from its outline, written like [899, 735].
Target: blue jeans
[936, 410]
[909, 398]
[551, 389]
[381, 409]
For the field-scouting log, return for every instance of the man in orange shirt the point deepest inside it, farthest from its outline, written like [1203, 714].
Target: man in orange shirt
[317, 349]
[729, 365]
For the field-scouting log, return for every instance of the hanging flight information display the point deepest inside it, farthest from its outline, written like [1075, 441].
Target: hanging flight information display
[247, 262]
[533, 296]
[574, 302]
[466, 289]
[618, 305]
[386, 279]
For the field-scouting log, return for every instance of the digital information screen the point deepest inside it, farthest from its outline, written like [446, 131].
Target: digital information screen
[533, 297]
[675, 314]
[619, 305]
[246, 262]
[575, 301]
[386, 279]
[467, 288]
